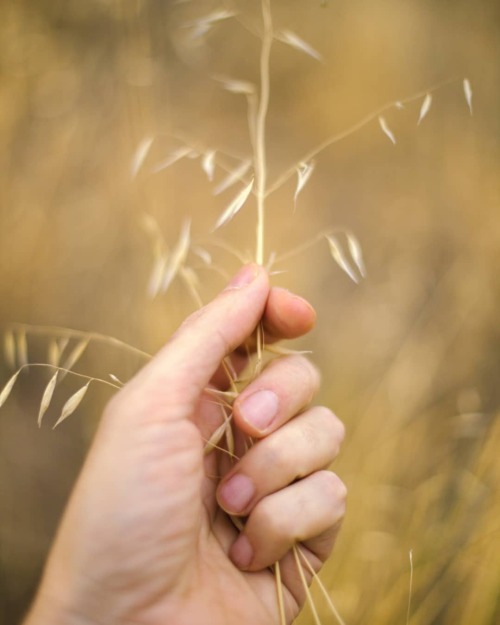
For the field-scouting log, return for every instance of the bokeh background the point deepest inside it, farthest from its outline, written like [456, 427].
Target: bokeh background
[410, 357]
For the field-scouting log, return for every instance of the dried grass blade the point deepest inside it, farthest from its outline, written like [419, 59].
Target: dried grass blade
[22, 348]
[293, 40]
[234, 206]
[47, 397]
[339, 257]
[208, 164]
[8, 388]
[140, 155]
[468, 93]
[233, 177]
[424, 109]
[72, 404]
[386, 130]
[9, 345]
[178, 255]
[304, 171]
[356, 253]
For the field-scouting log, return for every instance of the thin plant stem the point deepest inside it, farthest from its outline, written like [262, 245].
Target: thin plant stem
[89, 378]
[279, 593]
[92, 336]
[351, 130]
[322, 588]
[260, 163]
[306, 587]
[410, 591]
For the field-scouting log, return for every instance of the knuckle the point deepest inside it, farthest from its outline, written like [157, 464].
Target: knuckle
[272, 455]
[334, 488]
[330, 425]
[266, 518]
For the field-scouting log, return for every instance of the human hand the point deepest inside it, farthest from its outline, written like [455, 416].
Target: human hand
[146, 538]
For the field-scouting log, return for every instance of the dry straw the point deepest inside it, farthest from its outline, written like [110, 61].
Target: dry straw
[251, 177]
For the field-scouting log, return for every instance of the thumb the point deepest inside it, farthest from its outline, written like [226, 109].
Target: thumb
[169, 386]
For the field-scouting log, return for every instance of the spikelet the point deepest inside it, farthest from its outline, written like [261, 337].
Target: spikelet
[356, 253]
[175, 156]
[75, 354]
[8, 388]
[243, 87]
[468, 93]
[178, 255]
[233, 177]
[386, 130]
[424, 109]
[47, 397]
[157, 273]
[72, 404]
[203, 254]
[340, 258]
[140, 155]
[208, 164]
[115, 379]
[234, 206]
[293, 40]
[304, 171]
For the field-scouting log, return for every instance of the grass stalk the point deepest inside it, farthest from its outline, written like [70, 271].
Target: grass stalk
[260, 156]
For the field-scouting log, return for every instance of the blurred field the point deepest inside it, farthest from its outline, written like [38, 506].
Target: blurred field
[410, 358]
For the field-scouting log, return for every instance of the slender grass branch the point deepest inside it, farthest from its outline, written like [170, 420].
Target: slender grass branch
[89, 378]
[351, 130]
[260, 161]
[81, 334]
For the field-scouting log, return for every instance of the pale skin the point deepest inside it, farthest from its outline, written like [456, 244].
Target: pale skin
[146, 538]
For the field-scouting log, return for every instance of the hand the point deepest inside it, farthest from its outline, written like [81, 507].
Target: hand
[146, 538]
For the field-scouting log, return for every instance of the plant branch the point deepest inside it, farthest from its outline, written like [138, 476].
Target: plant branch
[260, 164]
[351, 130]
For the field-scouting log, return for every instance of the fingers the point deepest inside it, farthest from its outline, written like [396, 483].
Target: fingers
[285, 387]
[306, 444]
[286, 316]
[183, 368]
[308, 511]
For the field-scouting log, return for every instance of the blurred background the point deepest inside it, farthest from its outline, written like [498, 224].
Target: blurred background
[410, 356]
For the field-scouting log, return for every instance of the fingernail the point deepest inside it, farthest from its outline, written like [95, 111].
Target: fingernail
[236, 493]
[241, 553]
[259, 409]
[244, 277]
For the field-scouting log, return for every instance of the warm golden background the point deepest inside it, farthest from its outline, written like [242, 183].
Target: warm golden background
[410, 357]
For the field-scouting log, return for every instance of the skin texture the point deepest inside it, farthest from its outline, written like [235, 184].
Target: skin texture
[146, 538]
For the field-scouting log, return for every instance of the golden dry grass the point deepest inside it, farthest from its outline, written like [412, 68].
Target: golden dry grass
[409, 357]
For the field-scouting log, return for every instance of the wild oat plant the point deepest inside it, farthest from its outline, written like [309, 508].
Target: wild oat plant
[249, 180]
